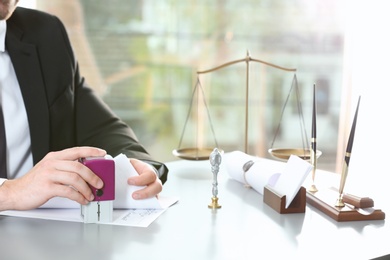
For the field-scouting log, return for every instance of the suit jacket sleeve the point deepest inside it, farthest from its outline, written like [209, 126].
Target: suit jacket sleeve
[44, 63]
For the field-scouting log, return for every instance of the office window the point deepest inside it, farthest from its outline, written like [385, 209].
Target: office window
[142, 57]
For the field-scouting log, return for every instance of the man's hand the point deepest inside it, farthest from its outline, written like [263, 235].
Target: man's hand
[147, 177]
[58, 174]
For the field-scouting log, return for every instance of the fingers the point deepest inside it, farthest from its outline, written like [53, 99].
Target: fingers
[149, 191]
[147, 177]
[71, 193]
[63, 168]
[70, 174]
[75, 153]
[80, 172]
[145, 171]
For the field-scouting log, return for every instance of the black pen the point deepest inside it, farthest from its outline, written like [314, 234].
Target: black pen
[347, 157]
[313, 150]
[314, 123]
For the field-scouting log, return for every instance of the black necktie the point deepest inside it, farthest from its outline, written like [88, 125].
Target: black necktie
[3, 147]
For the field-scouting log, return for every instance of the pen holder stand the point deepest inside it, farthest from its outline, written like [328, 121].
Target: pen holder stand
[278, 202]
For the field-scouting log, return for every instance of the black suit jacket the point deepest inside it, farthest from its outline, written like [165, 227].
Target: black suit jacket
[62, 111]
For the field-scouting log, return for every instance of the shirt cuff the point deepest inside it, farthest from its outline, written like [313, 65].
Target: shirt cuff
[2, 181]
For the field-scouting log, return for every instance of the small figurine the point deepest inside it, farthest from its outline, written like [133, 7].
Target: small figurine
[215, 161]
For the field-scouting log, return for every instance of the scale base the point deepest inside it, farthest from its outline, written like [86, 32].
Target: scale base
[325, 201]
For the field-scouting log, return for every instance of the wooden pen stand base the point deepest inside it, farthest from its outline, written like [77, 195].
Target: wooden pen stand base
[278, 202]
[325, 200]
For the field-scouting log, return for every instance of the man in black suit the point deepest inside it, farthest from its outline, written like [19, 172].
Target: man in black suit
[58, 119]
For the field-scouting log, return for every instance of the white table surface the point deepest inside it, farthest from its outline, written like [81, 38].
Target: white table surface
[244, 228]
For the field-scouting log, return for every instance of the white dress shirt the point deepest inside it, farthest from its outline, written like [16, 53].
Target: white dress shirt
[19, 157]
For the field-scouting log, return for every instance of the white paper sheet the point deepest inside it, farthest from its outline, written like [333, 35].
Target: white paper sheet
[292, 178]
[122, 217]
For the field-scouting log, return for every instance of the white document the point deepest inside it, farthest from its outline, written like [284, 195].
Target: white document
[263, 172]
[122, 217]
[292, 178]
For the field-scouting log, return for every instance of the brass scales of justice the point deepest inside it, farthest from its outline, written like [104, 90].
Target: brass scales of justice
[203, 153]
[335, 207]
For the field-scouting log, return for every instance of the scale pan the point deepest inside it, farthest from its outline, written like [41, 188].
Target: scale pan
[284, 153]
[195, 154]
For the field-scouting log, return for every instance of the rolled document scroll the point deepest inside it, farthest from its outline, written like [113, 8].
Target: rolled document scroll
[252, 171]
